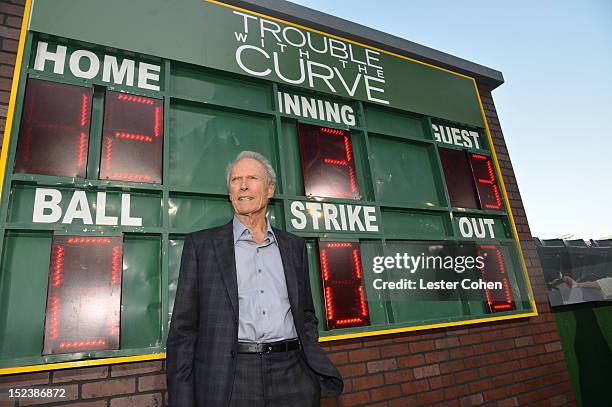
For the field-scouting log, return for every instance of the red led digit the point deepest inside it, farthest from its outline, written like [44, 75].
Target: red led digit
[494, 271]
[132, 144]
[486, 183]
[343, 293]
[54, 129]
[328, 165]
[84, 294]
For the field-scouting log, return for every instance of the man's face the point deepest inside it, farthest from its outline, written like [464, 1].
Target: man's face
[249, 189]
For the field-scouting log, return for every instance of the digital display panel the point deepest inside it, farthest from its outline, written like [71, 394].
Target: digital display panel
[84, 294]
[459, 180]
[132, 143]
[470, 180]
[54, 130]
[328, 165]
[343, 292]
[486, 182]
[494, 271]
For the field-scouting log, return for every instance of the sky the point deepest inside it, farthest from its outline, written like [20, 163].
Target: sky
[555, 107]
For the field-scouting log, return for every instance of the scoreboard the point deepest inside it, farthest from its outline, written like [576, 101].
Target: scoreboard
[116, 145]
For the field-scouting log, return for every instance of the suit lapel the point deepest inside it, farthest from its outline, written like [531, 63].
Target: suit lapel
[289, 266]
[224, 250]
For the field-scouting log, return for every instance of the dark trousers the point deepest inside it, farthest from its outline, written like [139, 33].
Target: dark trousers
[277, 379]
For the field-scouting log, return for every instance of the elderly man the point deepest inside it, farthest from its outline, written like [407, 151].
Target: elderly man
[243, 329]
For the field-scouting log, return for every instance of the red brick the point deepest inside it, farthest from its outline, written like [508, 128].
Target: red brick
[10, 45]
[387, 392]
[470, 339]
[446, 343]
[87, 373]
[362, 355]
[136, 368]
[24, 379]
[108, 388]
[426, 371]
[6, 71]
[462, 352]
[7, 58]
[558, 400]
[326, 402]
[524, 341]
[472, 400]
[457, 391]
[410, 361]
[12, 21]
[398, 376]
[466, 376]
[483, 348]
[8, 32]
[430, 397]
[355, 369]
[99, 403]
[11, 9]
[354, 399]
[154, 382]
[441, 381]
[399, 349]
[433, 357]
[424, 346]
[554, 346]
[367, 382]
[509, 402]
[495, 394]
[415, 386]
[144, 400]
[71, 392]
[338, 358]
[381, 365]
[403, 401]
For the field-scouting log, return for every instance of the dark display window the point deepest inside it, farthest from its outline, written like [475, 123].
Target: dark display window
[54, 130]
[494, 271]
[470, 180]
[343, 292]
[459, 180]
[84, 294]
[132, 143]
[328, 164]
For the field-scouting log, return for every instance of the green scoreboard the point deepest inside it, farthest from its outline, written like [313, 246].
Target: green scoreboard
[122, 120]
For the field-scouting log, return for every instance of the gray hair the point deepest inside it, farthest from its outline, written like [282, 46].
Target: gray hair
[270, 173]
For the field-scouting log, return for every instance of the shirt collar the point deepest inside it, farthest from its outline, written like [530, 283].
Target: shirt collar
[240, 229]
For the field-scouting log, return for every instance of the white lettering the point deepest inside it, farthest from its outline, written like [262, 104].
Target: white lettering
[101, 217]
[43, 55]
[123, 74]
[126, 219]
[78, 208]
[239, 51]
[296, 210]
[75, 64]
[146, 72]
[370, 88]
[41, 204]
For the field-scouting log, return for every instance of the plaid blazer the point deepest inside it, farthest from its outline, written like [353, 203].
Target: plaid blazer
[203, 335]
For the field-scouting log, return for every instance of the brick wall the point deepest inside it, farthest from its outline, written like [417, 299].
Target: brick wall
[129, 384]
[11, 13]
[506, 363]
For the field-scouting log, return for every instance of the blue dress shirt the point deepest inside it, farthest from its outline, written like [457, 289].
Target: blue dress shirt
[263, 302]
